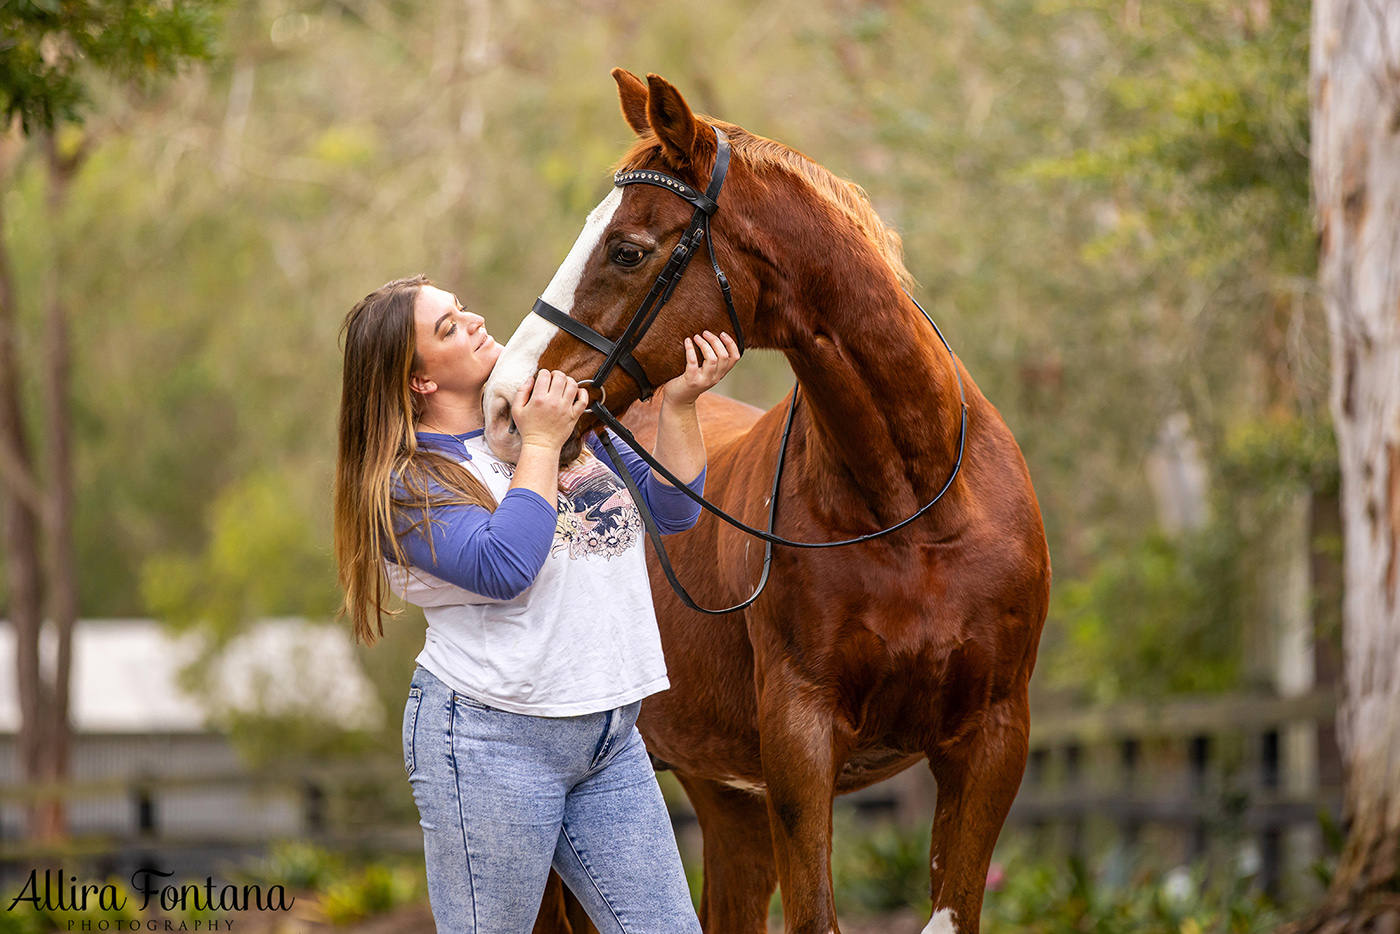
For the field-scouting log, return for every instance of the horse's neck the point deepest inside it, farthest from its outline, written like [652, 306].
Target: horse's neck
[883, 409]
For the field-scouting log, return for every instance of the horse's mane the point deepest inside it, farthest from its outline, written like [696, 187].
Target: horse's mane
[846, 196]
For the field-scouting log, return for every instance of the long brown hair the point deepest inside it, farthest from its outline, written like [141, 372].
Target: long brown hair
[380, 472]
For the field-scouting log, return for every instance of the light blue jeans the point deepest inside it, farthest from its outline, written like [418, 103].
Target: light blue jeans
[504, 796]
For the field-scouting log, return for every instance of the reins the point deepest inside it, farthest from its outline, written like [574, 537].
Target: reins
[619, 353]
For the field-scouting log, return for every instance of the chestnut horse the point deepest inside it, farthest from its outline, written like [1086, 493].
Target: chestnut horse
[856, 662]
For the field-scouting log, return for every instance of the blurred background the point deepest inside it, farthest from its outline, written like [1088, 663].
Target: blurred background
[1105, 204]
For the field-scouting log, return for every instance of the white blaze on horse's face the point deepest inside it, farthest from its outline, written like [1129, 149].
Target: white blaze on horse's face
[520, 359]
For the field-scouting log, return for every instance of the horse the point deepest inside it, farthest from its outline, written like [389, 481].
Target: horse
[856, 662]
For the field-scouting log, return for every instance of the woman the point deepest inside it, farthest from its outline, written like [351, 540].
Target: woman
[519, 733]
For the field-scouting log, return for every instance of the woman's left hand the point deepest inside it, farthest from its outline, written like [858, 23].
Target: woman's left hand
[707, 359]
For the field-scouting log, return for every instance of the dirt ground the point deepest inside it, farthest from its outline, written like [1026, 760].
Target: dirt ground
[304, 918]
[902, 922]
[417, 919]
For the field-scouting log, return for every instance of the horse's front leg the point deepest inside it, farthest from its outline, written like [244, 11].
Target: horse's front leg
[739, 872]
[799, 770]
[978, 777]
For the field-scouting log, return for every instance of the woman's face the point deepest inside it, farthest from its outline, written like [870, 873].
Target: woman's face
[456, 353]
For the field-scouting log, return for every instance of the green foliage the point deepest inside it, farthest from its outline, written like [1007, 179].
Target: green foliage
[1334, 839]
[346, 894]
[51, 47]
[1108, 203]
[1279, 453]
[263, 559]
[375, 890]
[883, 867]
[1209, 110]
[22, 921]
[880, 869]
[1153, 618]
[1068, 899]
[296, 866]
[269, 739]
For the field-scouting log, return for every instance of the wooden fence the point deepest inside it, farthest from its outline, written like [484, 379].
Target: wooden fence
[1175, 781]
[1170, 777]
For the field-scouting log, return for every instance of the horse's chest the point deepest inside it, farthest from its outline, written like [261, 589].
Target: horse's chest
[873, 608]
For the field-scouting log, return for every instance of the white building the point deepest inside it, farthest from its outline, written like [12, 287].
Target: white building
[150, 757]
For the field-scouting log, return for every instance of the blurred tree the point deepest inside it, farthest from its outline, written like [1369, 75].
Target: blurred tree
[1108, 203]
[1356, 178]
[1105, 203]
[52, 50]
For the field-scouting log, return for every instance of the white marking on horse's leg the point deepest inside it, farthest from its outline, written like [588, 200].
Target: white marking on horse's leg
[756, 788]
[520, 358]
[941, 922]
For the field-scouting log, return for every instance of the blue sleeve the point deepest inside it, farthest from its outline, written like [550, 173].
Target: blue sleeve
[673, 510]
[496, 554]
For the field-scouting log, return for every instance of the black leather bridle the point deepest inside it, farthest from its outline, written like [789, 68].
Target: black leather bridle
[618, 353]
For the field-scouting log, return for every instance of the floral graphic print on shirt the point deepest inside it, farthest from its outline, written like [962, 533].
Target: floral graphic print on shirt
[596, 513]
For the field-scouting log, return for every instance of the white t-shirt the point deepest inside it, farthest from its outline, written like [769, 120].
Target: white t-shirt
[582, 638]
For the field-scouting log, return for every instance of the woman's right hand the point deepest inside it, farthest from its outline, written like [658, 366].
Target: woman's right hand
[546, 407]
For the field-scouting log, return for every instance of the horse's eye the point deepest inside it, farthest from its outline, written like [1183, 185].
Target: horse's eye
[627, 254]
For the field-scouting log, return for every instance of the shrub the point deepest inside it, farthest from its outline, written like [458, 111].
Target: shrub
[376, 889]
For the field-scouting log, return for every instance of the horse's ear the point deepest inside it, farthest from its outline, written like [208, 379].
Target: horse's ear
[674, 123]
[633, 95]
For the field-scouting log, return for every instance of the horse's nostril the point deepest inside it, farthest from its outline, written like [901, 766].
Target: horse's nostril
[500, 412]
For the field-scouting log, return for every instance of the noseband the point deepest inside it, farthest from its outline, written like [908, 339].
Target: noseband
[618, 353]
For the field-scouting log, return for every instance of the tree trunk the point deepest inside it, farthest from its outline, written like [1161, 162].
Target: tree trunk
[38, 529]
[60, 554]
[1356, 180]
[24, 508]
